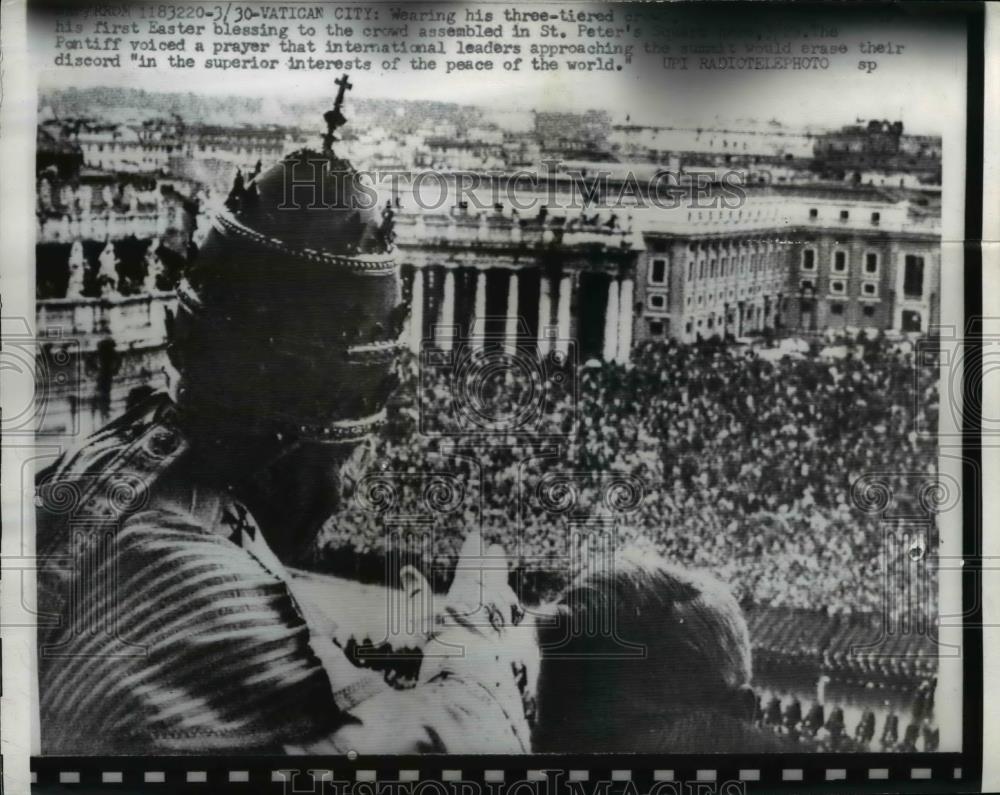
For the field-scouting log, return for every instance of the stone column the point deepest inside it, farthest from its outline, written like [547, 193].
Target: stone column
[478, 329]
[444, 331]
[562, 314]
[544, 313]
[417, 310]
[399, 283]
[625, 299]
[511, 327]
[611, 322]
[900, 297]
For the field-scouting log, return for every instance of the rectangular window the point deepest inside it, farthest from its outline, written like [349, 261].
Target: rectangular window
[838, 287]
[913, 276]
[808, 259]
[871, 262]
[844, 215]
[658, 273]
[837, 308]
[806, 285]
[869, 289]
[656, 328]
[869, 311]
[876, 217]
[657, 302]
[839, 261]
[813, 212]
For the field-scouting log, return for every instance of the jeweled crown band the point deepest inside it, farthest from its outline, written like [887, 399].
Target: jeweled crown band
[368, 265]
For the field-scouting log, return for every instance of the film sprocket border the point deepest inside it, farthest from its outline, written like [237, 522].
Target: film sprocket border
[706, 774]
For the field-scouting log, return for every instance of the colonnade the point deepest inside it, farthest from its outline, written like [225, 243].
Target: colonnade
[437, 319]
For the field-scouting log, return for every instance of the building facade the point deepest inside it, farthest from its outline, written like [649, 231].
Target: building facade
[879, 146]
[501, 279]
[788, 261]
[791, 262]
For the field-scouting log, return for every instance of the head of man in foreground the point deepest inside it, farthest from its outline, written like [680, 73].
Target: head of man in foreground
[646, 657]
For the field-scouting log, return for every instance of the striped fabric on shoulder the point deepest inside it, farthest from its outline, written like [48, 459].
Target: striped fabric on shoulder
[102, 447]
[90, 489]
[178, 641]
[110, 474]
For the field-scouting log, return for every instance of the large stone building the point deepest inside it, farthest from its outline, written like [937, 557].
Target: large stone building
[792, 261]
[95, 355]
[879, 146]
[108, 249]
[789, 260]
[761, 140]
[561, 132]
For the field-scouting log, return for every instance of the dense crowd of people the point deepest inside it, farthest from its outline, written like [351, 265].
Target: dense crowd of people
[781, 477]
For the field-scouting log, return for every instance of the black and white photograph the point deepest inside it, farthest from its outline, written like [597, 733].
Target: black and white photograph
[493, 379]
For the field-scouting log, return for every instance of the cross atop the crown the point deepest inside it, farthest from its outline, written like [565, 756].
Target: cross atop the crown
[343, 84]
[335, 118]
